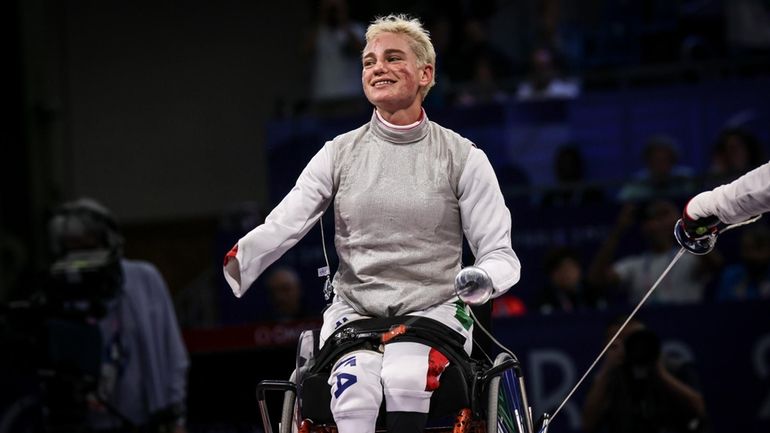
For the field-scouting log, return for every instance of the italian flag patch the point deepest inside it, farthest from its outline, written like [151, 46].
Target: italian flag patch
[462, 316]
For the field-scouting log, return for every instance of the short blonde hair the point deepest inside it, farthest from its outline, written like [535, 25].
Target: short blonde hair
[419, 40]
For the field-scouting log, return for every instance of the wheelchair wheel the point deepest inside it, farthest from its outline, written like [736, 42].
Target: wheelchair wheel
[493, 397]
[508, 409]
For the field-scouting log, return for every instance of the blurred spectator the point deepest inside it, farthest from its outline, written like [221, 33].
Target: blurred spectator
[144, 366]
[514, 183]
[638, 389]
[204, 302]
[701, 26]
[634, 274]
[336, 46]
[571, 189]
[749, 279]
[478, 66]
[440, 28]
[545, 80]
[196, 303]
[748, 26]
[549, 19]
[484, 86]
[285, 290]
[661, 177]
[566, 289]
[736, 152]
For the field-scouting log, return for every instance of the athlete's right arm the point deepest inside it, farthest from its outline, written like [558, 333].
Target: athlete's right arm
[294, 216]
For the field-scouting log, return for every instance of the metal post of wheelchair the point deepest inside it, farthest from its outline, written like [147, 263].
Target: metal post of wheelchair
[271, 385]
[524, 401]
[518, 417]
[545, 423]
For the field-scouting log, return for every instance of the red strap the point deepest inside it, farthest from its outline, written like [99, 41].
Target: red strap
[394, 332]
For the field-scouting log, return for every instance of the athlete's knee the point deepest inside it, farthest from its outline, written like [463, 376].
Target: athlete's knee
[411, 366]
[408, 378]
[355, 384]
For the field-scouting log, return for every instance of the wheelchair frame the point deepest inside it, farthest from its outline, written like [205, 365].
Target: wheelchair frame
[468, 420]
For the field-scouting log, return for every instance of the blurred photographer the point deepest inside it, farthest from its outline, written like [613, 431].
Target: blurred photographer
[141, 384]
[637, 390]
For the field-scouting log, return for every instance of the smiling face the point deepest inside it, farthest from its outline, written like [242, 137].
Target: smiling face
[392, 77]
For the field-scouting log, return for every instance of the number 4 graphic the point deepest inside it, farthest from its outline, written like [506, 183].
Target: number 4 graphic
[344, 380]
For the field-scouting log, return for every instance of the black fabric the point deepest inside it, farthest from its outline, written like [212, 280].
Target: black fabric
[406, 422]
[456, 383]
[315, 396]
[452, 394]
[365, 334]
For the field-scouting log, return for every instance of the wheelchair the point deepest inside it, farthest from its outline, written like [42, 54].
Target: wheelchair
[475, 395]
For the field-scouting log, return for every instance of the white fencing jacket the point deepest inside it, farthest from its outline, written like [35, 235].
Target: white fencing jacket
[403, 198]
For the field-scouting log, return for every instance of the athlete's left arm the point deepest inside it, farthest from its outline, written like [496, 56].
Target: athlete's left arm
[487, 222]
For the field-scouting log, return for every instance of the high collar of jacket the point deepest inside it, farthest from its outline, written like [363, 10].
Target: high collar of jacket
[400, 134]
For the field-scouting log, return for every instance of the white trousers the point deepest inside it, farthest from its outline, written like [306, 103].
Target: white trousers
[406, 373]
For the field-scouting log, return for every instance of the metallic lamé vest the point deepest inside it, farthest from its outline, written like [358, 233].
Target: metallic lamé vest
[397, 217]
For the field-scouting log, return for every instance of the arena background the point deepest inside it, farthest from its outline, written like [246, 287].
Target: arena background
[190, 120]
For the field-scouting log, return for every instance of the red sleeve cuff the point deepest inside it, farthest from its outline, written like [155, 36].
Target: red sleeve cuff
[685, 215]
[231, 254]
